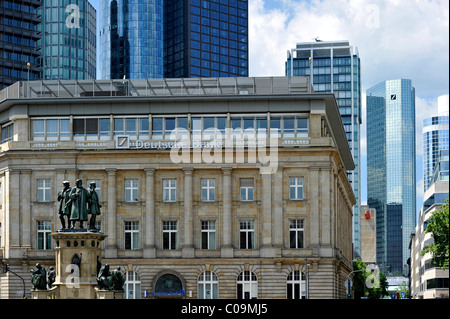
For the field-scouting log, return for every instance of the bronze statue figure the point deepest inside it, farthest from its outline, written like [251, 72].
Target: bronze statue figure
[39, 277]
[79, 196]
[65, 205]
[93, 206]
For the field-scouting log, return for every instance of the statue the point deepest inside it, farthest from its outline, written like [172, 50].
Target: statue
[39, 277]
[104, 278]
[51, 277]
[93, 206]
[79, 196]
[117, 279]
[65, 205]
[77, 262]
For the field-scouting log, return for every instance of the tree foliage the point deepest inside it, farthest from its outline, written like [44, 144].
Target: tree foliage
[438, 226]
[375, 282]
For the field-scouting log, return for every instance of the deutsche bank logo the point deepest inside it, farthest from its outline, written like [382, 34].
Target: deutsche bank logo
[122, 141]
[393, 97]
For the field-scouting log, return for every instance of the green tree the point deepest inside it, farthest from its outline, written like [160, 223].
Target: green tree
[438, 226]
[375, 282]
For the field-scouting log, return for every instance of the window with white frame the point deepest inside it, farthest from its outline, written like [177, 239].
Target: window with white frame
[131, 190]
[208, 189]
[7, 132]
[208, 285]
[295, 188]
[43, 190]
[296, 233]
[44, 230]
[169, 190]
[131, 235]
[169, 235]
[247, 234]
[247, 285]
[247, 189]
[208, 234]
[296, 285]
[132, 285]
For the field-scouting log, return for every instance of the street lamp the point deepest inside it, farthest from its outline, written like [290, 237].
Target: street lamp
[28, 77]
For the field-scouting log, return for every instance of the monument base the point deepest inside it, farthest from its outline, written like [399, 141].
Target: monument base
[52, 293]
[109, 294]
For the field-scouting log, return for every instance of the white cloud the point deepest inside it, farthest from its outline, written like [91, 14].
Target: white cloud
[396, 39]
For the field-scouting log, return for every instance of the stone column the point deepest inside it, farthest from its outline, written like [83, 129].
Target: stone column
[12, 211]
[266, 214]
[149, 246]
[25, 209]
[277, 209]
[111, 248]
[188, 247]
[227, 229]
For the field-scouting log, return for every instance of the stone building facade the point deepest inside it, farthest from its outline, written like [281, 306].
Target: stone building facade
[205, 226]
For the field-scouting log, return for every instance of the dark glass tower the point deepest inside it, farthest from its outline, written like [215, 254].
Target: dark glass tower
[391, 169]
[205, 38]
[68, 42]
[173, 38]
[18, 36]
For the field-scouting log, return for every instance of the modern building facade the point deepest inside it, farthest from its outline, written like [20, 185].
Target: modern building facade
[391, 167]
[205, 38]
[18, 36]
[173, 39]
[68, 40]
[435, 140]
[211, 222]
[427, 281]
[335, 67]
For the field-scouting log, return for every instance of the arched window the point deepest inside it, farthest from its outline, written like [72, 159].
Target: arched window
[132, 285]
[296, 285]
[247, 285]
[208, 286]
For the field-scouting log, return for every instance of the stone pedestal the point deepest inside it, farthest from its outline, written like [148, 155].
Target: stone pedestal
[78, 254]
[52, 293]
[109, 294]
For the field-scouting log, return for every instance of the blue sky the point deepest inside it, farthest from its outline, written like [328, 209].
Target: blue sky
[395, 39]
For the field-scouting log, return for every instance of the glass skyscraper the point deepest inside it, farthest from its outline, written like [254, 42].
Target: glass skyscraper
[435, 140]
[18, 36]
[173, 38]
[335, 67]
[391, 169]
[68, 42]
[131, 39]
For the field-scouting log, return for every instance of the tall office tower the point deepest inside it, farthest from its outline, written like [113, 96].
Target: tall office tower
[205, 38]
[18, 36]
[173, 38]
[391, 168]
[68, 42]
[435, 139]
[131, 39]
[334, 66]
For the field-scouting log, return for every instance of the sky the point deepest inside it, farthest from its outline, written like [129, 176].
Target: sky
[395, 39]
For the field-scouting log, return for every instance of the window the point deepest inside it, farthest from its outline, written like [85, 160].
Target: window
[157, 128]
[208, 234]
[131, 190]
[296, 234]
[247, 285]
[302, 127]
[132, 285]
[247, 189]
[44, 235]
[131, 235]
[43, 190]
[296, 285]
[7, 133]
[169, 190]
[208, 286]
[169, 235]
[295, 188]
[208, 189]
[247, 234]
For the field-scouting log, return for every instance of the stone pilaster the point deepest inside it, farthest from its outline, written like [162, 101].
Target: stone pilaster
[111, 248]
[149, 246]
[188, 246]
[227, 229]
